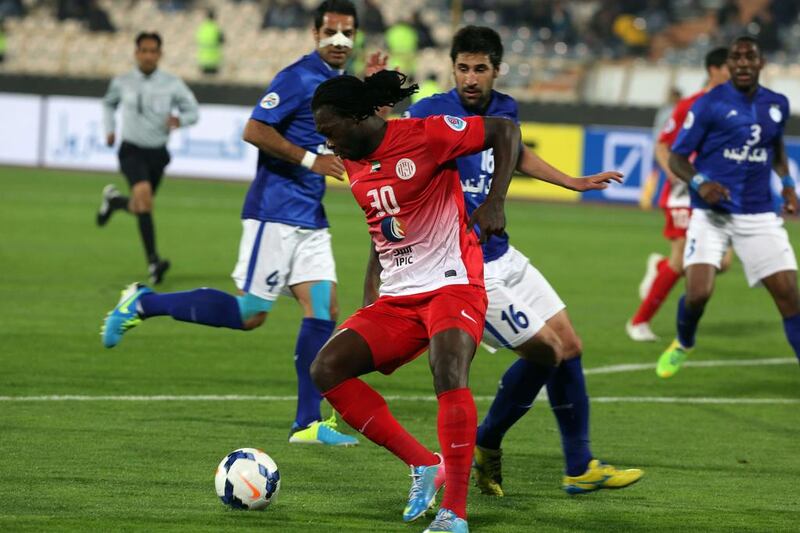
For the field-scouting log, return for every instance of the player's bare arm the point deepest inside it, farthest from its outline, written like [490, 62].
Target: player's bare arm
[710, 191]
[268, 140]
[533, 165]
[372, 277]
[780, 164]
[503, 136]
[662, 158]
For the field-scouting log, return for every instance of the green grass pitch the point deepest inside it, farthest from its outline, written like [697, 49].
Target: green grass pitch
[149, 465]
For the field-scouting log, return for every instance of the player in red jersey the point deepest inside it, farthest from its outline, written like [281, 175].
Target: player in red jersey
[404, 176]
[663, 272]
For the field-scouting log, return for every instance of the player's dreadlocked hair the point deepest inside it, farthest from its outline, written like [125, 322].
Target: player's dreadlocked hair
[351, 97]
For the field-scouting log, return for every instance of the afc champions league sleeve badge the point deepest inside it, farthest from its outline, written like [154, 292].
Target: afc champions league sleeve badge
[393, 229]
[775, 113]
[455, 123]
[270, 101]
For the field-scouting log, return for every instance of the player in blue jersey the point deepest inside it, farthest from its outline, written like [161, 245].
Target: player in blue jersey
[285, 246]
[525, 313]
[736, 130]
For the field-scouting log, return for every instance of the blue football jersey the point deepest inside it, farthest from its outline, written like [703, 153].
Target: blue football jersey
[734, 138]
[475, 170]
[282, 191]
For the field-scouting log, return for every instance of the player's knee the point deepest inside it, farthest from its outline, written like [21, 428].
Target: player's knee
[450, 370]
[253, 310]
[254, 321]
[697, 299]
[573, 347]
[326, 369]
[545, 348]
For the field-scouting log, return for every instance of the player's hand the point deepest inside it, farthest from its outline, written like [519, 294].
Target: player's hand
[490, 218]
[329, 165]
[173, 122]
[789, 200]
[111, 138]
[713, 192]
[376, 62]
[597, 182]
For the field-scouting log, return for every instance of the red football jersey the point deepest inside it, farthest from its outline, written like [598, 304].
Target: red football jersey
[411, 194]
[672, 196]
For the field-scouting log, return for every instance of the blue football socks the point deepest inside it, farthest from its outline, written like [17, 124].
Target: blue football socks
[314, 333]
[687, 323]
[209, 307]
[570, 404]
[791, 326]
[518, 388]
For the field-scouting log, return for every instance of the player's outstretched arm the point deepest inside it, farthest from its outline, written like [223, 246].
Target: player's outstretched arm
[503, 136]
[711, 191]
[780, 164]
[372, 278]
[533, 165]
[268, 140]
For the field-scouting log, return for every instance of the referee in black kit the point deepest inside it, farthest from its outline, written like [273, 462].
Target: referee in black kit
[153, 104]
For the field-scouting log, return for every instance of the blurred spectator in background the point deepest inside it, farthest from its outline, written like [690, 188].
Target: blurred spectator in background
[749, 17]
[402, 42]
[72, 9]
[561, 23]
[2, 40]
[209, 38]
[373, 18]
[424, 37]
[11, 8]
[173, 5]
[285, 14]
[428, 87]
[97, 19]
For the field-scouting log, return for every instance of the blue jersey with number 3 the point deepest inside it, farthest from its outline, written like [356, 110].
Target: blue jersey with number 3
[734, 137]
[475, 170]
[282, 191]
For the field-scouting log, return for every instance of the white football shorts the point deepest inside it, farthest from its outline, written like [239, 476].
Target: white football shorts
[275, 256]
[760, 241]
[520, 300]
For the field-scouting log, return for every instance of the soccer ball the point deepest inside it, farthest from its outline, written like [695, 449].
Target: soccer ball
[247, 479]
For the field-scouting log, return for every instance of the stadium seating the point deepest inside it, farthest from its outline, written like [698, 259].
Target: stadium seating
[536, 66]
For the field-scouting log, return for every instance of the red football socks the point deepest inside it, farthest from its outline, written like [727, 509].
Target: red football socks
[458, 424]
[659, 290]
[366, 411]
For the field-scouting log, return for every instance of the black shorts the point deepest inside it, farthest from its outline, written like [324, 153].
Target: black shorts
[143, 164]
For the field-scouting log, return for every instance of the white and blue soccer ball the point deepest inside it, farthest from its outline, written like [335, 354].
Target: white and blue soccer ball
[247, 479]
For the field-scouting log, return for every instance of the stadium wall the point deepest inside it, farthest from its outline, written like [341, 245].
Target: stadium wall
[66, 132]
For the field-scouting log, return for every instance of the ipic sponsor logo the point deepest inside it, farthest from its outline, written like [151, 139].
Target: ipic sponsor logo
[403, 256]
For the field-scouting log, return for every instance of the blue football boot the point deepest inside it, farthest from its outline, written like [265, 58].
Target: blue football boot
[447, 521]
[425, 483]
[124, 316]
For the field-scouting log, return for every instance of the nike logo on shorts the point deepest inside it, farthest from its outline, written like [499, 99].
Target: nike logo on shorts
[465, 315]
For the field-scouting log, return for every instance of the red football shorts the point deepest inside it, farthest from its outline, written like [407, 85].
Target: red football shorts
[676, 222]
[399, 328]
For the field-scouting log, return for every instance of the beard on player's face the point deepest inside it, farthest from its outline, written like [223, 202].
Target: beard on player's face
[474, 76]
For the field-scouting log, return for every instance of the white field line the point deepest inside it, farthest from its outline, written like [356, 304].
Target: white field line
[244, 398]
[612, 369]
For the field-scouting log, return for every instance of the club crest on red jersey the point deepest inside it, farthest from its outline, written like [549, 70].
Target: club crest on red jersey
[405, 169]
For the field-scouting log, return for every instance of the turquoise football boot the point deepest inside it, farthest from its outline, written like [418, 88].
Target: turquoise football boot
[425, 483]
[124, 316]
[447, 521]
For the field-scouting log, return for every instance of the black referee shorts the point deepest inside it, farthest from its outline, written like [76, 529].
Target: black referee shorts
[143, 164]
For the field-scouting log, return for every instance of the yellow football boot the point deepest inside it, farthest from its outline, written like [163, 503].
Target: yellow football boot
[601, 476]
[487, 471]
